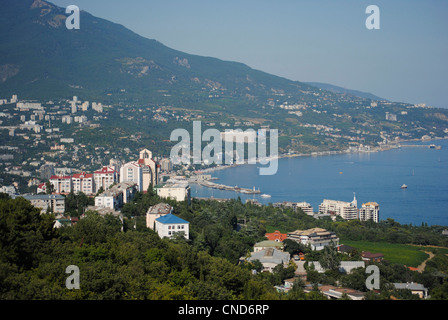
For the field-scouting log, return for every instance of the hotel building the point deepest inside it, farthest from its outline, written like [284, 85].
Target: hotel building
[369, 211]
[346, 210]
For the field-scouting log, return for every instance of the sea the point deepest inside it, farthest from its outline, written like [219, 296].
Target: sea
[370, 176]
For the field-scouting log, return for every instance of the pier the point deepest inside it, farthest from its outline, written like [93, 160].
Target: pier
[209, 184]
[431, 146]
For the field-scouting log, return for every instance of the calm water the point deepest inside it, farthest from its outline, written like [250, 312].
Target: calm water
[375, 176]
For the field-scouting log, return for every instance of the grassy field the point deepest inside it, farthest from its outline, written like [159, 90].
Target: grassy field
[409, 255]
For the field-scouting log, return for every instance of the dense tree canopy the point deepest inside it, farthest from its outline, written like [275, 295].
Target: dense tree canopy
[122, 259]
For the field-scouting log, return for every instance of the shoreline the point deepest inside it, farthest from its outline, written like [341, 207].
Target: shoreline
[323, 153]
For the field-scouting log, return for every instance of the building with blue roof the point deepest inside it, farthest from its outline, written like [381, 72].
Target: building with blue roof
[168, 225]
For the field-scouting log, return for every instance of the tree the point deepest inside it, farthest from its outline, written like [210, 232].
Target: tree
[49, 187]
[23, 232]
[330, 258]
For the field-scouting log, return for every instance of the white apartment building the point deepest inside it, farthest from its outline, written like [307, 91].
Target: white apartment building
[168, 225]
[61, 184]
[132, 172]
[317, 238]
[369, 211]
[166, 165]
[306, 207]
[83, 182]
[115, 197]
[150, 169]
[54, 202]
[346, 210]
[111, 199]
[179, 191]
[144, 172]
[105, 177]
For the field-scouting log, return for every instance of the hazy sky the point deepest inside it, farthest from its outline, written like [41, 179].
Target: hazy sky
[305, 40]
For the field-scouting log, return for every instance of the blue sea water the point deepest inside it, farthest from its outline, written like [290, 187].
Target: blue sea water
[374, 176]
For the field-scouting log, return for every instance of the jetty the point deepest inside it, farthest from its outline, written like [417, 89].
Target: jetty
[431, 146]
[209, 184]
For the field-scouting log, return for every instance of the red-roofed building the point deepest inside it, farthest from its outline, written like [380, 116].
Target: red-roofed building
[83, 182]
[105, 177]
[61, 184]
[41, 188]
[276, 236]
[374, 257]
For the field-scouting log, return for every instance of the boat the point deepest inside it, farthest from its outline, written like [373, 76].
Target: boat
[264, 195]
[404, 186]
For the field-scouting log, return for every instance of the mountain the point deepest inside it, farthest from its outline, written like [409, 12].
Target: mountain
[148, 83]
[41, 58]
[336, 89]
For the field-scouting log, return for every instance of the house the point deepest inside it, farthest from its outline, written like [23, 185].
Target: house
[53, 202]
[155, 212]
[276, 236]
[372, 257]
[65, 222]
[332, 292]
[416, 288]
[345, 249]
[317, 238]
[286, 286]
[263, 245]
[41, 188]
[168, 225]
[270, 258]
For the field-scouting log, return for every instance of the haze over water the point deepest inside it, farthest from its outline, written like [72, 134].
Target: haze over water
[375, 176]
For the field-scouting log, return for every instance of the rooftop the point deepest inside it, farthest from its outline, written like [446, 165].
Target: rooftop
[170, 219]
[43, 197]
[160, 208]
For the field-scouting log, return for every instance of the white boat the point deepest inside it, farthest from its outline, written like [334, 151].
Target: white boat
[264, 195]
[404, 186]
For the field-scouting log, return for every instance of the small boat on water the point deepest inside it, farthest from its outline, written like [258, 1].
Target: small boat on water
[404, 186]
[264, 195]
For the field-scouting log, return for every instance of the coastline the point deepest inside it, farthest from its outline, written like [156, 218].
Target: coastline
[324, 153]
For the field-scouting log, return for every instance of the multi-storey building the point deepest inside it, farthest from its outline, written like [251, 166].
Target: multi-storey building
[166, 165]
[61, 184]
[83, 182]
[150, 169]
[369, 211]
[155, 212]
[105, 177]
[346, 210]
[144, 171]
[115, 197]
[178, 191]
[132, 172]
[168, 225]
[306, 207]
[52, 202]
[317, 238]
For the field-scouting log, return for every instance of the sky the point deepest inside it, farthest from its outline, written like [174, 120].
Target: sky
[305, 40]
